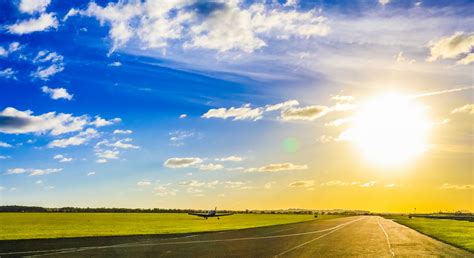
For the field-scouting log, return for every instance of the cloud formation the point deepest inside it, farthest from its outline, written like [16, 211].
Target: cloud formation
[456, 187]
[303, 183]
[118, 131]
[452, 47]
[182, 162]
[220, 25]
[468, 108]
[57, 93]
[50, 63]
[5, 145]
[79, 139]
[211, 167]
[33, 172]
[43, 23]
[242, 113]
[33, 6]
[61, 158]
[230, 159]
[13, 121]
[277, 167]
[308, 113]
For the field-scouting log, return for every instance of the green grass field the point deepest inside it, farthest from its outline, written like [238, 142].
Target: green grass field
[59, 225]
[454, 232]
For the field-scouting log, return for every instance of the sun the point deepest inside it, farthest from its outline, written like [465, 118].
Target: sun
[390, 129]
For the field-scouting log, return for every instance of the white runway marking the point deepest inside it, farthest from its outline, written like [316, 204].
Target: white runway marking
[388, 240]
[319, 237]
[141, 244]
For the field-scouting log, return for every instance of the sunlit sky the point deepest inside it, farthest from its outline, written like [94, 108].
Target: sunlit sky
[237, 104]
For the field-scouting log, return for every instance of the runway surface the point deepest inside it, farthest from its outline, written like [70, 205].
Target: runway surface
[369, 236]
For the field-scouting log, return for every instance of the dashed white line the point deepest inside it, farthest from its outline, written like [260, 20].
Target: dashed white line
[388, 240]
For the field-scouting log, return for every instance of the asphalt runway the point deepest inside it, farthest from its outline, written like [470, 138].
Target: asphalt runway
[362, 236]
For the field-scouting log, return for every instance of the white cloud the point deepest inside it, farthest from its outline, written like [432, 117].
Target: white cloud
[210, 167]
[123, 144]
[182, 162]
[164, 190]
[42, 23]
[45, 56]
[308, 113]
[8, 73]
[70, 13]
[16, 171]
[278, 167]
[76, 140]
[452, 46]
[234, 184]
[384, 2]
[57, 93]
[61, 158]
[33, 6]
[182, 116]
[235, 169]
[268, 185]
[339, 122]
[4, 157]
[391, 185]
[195, 186]
[107, 154]
[14, 46]
[245, 29]
[115, 64]
[3, 52]
[5, 145]
[144, 183]
[177, 138]
[40, 172]
[242, 113]
[466, 60]
[326, 138]
[302, 183]
[101, 161]
[100, 122]
[342, 98]
[92, 173]
[339, 183]
[227, 25]
[468, 108]
[123, 131]
[33, 172]
[44, 73]
[14, 121]
[440, 92]
[456, 187]
[230, 158]
[51, 63]
[283, 105]
[401, 59]
[368, 184]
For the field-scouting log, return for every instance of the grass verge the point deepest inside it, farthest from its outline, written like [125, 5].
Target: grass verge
[15, 226]
[454, 232]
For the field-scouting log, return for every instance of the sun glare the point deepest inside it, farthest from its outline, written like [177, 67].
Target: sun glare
[391, 129]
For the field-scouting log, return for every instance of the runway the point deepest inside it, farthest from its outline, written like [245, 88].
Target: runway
[369, 236]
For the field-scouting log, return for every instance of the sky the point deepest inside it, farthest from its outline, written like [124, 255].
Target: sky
[237, 104]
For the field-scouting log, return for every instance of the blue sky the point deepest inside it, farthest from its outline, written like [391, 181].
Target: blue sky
[229, 103]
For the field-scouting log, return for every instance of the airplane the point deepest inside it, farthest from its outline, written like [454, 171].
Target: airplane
[211, 213]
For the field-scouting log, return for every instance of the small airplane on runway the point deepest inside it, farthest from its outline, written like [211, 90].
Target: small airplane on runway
[211, 213]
